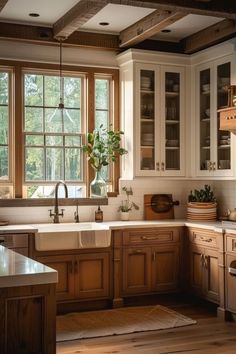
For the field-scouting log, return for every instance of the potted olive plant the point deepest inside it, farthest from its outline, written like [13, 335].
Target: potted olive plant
[202, 204]
[102, 148]
[126, 205]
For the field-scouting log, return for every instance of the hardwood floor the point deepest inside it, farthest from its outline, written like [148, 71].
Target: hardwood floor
[209, 335]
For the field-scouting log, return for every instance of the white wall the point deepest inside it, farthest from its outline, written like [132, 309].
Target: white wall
[225, 190]
[11, 50]
[179, 189]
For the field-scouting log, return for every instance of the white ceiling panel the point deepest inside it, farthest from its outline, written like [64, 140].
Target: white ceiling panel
[50, 10]
[186, 26]
[119, 17]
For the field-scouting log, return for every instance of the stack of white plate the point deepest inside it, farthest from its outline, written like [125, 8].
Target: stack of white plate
[147, 139]
[145, 82]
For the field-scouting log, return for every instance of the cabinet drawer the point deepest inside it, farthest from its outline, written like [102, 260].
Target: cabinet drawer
[146, 236]
[202, 237]
[230, 240]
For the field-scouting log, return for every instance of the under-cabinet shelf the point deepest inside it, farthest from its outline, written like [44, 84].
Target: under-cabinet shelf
[224, 146]
[172, 94]
[147, 120]
[205, 147]
[205, 120]
[172, 121]
[147, 91]
[172, 147]
[147, 147]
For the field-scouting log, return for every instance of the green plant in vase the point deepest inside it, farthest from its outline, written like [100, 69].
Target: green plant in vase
[103, 147]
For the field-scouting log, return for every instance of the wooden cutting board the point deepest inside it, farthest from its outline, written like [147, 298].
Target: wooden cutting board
[150, 214]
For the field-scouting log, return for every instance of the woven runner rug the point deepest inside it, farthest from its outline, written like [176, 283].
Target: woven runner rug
[81, 325]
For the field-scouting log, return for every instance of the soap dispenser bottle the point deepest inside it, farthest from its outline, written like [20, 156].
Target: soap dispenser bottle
[99, 215]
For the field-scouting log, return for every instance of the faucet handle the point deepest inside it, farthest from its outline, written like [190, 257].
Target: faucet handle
[76, 215]
[62, 212]
[51, 214]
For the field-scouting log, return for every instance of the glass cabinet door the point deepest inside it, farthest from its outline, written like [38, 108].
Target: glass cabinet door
[223, 137]
[172, 121]
[147, 119]
[215, 144]
[205, 120]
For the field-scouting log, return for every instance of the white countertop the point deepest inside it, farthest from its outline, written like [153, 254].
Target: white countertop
[116, 225]
[17, 270]
[17, 229]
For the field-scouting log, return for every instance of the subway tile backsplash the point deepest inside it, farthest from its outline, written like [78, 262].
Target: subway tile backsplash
[225, 192]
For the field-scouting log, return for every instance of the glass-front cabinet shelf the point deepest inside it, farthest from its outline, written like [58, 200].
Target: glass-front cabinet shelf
[214, 155]
[160, 120]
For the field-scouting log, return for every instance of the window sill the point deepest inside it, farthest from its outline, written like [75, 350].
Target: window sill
[38, 202]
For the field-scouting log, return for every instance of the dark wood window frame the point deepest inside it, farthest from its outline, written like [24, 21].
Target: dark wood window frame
[90, 72]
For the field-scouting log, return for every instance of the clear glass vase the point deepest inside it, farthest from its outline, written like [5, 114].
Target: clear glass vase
[98, 187]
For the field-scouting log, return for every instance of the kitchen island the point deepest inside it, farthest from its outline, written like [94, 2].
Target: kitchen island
[27, 304]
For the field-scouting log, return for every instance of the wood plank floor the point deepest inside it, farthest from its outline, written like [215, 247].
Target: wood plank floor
[209, 335]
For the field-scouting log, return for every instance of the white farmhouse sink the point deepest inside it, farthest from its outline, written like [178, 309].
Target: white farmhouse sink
[71, 236]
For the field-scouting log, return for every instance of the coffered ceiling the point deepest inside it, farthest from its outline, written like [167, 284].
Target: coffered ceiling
[172, 25]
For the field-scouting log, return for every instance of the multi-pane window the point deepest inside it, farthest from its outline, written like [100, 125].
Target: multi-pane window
[4, 126]
[53, 136]
[40, 141]
[103, 114]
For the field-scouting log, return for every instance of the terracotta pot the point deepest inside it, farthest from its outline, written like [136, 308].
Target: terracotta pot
[201, 211]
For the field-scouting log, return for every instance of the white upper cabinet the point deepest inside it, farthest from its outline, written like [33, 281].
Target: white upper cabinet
[159, 113]
[169, 105]
[154, 121]
[214, 148]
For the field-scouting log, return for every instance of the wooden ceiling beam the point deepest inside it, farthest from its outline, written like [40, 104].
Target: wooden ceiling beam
[216, 8]
[76, 17]
[44, 35]
[209, 36]
[148, 26]
[2, 4]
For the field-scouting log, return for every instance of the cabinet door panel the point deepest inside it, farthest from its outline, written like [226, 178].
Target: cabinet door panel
[137, 270]
[172, 161]
[214, 146]
[212, 275]
[230, 285]
[92, 275]
[165, 268]
[64, 266]
[196, 269]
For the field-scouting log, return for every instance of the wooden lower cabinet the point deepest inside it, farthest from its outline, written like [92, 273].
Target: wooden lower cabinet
[151, 260]
[230, 272]
[81, 277]
[64, 265]
[204, 269]
[92, 276]
[137, 270]
[28, 320]
[165, 268]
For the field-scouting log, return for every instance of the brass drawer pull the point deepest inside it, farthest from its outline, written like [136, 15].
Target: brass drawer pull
[149, 238]
[206, 259]
[206, 239]
[202, 258]
[137, 251]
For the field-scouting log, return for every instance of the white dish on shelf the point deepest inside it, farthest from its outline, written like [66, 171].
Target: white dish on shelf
[224, 164]
[207, 112]
[172, 142]
[206, 87]
[223, 80]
